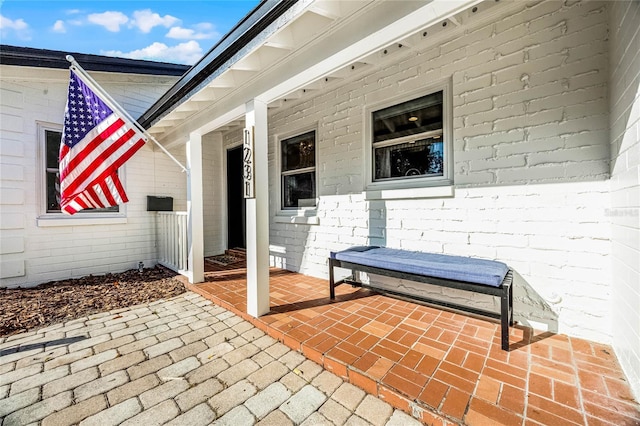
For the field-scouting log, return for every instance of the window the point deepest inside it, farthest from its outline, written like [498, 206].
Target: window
[298, 172]
[52, 139]
[409, 141]
[52, 148]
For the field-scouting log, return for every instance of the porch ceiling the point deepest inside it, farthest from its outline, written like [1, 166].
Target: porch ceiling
[325, 43]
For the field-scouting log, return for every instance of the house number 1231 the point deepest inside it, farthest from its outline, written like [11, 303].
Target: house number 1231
[247, 164]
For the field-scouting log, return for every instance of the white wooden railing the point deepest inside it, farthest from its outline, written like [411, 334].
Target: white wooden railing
[173, 249]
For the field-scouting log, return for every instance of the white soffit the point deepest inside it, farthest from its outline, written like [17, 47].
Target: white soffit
[290, 63]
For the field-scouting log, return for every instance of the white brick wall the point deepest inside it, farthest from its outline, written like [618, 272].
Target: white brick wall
[530, 118]
[624, 39]
[214, 155]
[32, 254]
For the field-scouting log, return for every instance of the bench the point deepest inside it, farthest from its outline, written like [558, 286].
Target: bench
[463, 273]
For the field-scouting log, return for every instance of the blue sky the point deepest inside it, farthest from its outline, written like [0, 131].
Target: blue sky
[161, 30]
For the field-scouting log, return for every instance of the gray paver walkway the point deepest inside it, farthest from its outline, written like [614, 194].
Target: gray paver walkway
[182, 361]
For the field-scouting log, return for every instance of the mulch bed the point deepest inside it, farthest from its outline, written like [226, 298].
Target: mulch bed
[25, 309]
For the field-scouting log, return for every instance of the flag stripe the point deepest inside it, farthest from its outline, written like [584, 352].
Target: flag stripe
[96, 142]
[76, 156]
[104, 164]
[83, 171]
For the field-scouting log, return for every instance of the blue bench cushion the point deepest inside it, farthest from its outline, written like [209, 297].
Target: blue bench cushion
[459, 268]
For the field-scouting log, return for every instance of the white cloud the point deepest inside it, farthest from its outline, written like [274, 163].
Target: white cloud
[59, 27]
[19, 27]
[201, 32]
[109, 20]
[185, 53]
[145, 20]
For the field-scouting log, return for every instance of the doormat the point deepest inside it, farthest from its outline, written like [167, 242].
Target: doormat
[223, 259]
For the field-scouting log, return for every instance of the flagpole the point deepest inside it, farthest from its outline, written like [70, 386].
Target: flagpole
[116, 107]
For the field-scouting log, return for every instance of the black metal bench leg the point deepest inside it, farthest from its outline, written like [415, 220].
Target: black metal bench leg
[332, 284]
[504, 318]
[511, 305]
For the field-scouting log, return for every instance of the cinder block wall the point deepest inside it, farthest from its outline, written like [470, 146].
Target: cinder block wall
[624, 100]
[531, 160]
[31, 254]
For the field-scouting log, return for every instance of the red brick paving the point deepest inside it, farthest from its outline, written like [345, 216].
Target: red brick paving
[446, 368]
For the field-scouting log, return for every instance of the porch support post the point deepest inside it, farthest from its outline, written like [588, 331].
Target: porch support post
[258, 215]
[195, 239]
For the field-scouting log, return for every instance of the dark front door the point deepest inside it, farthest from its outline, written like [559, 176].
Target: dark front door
[236, 207]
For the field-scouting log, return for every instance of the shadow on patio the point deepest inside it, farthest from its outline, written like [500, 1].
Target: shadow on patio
[441, 366]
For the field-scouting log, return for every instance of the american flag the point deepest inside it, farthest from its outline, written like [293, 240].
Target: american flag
[96, 141]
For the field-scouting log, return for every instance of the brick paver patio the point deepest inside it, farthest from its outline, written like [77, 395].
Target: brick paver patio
[443, 367]
[184, 361]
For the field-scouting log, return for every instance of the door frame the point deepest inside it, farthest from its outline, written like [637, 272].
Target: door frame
[228, 148]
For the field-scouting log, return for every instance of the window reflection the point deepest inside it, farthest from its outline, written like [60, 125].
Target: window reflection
[298, 156]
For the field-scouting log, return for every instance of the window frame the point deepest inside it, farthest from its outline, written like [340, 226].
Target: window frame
[447, 138]
[48, 218]
[303, 210]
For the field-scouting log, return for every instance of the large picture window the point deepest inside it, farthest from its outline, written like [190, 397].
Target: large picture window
[408, 140]
[52, 139]
[298, 171]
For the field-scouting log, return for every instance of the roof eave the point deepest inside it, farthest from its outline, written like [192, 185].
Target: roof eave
[246, 30]
[56, 59]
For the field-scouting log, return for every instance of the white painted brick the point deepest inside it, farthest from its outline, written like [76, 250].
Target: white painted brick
[11, 268]
[11, 172]
[11, 220]
[11, 245]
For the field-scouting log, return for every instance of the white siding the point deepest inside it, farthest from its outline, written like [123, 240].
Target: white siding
[530, 119]
[624, 36]
[32, 254]
[214, 185]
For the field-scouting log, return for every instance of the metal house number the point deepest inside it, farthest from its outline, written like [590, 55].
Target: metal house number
[247, 164]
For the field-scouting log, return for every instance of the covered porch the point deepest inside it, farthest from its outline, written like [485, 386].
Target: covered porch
[440, 366]
[504, 198]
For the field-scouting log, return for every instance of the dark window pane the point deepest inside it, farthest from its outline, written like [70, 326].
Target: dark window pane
[106, 209]
[299, 152]
[53, 148]
[53, 192]
[298, 187]
[409, 118]
[420, 158]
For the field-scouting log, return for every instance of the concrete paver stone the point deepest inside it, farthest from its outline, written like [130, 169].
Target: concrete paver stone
[182, 361]
[101, 385]
[156, 415]
[115, 414]
[132, 389]
[231, 397]
[275, 418]
[18, 401]
[150, 366]
[335, 412]
[163, 392]
[349, 396]
[239, 416]
[77, 412]
[374, 410]
[302, 404]
[69, 382]
[198, 393]
[178, 369]
[200, 415]
[316, 419]
[268, 399]
[238, 372]
[39, 410]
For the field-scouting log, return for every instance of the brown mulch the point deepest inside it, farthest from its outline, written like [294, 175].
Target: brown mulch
[24, 309]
